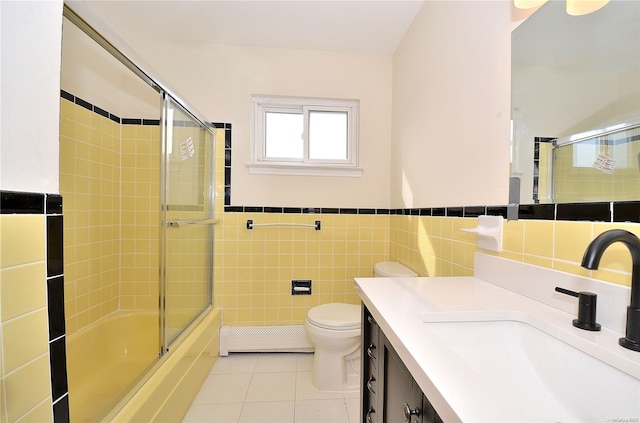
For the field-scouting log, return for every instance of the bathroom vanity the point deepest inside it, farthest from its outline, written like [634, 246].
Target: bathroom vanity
[498, 346]
[389, 392]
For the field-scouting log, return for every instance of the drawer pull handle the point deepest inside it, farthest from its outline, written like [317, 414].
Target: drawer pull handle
[369, 386]
[372, 320]
[369, 413]
[407, 412]
[370, 351]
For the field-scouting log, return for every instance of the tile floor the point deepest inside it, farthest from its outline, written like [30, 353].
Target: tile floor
[268, 388]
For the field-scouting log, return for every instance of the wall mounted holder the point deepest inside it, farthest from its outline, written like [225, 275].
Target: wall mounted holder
[317, 225]
[301, 287]
[489, 232]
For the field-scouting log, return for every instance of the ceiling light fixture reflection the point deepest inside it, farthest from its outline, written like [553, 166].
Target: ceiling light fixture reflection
[574, 7]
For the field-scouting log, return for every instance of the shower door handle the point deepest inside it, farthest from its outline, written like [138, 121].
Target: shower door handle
[178, 223]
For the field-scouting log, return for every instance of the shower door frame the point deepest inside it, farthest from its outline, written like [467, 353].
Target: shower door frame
[209, 221]
[128, 59]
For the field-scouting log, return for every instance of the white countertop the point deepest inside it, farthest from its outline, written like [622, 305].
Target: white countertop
[401, 305]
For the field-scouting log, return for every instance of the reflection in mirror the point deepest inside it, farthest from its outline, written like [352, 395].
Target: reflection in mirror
[603, 167]
[570, 76]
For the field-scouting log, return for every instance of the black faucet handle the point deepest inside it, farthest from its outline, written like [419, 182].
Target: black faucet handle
[586, 309]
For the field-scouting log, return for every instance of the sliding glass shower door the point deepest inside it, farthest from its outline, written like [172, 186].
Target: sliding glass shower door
[188, 220]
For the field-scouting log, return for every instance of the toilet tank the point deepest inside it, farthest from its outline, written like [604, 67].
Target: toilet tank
[392, 269]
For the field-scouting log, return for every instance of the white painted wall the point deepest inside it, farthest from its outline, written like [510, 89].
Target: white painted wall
[30, 95]
[451, 105]
[219, 81]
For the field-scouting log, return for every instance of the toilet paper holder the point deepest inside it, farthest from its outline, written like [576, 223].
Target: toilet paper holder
[301, 287]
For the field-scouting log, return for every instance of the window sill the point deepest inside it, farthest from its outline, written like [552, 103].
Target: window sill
[272, 169]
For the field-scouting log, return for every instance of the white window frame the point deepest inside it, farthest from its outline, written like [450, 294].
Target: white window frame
[261, 164]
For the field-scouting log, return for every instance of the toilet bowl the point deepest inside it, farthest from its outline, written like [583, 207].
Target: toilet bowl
[334, 329]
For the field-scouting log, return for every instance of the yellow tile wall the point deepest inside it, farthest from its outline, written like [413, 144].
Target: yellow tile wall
[140, 217]
[435, 246]
[25, 391]
[254, 268]
[89, 184]
[109, 179]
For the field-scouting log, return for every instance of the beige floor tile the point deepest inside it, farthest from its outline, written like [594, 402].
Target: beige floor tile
[353, 409]
[223, 389]
[235, 363]
[269, 388]
[213, 413]
[276, 362]
[306, 391]
[304, 362]
[272, 387]
[267, 412]
[321, 411]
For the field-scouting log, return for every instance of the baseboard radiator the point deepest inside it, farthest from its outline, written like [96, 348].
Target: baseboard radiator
[263, 339]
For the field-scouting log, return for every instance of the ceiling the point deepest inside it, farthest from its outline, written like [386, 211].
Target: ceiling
[359, 26]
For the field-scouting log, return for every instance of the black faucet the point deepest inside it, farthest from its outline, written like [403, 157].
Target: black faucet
[591, 260]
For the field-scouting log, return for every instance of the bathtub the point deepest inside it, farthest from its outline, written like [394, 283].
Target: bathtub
[114, 372]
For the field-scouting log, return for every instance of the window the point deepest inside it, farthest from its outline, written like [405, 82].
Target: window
[305, 136]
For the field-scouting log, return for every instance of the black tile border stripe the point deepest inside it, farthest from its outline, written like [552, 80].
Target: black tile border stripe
[537, 211]
[626, 212]
[55, 245]
[104, 113]
[12, 202]
[616, 211]
[599, 212]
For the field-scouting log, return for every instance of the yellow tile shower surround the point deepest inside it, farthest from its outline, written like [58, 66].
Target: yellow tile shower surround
[110, 181]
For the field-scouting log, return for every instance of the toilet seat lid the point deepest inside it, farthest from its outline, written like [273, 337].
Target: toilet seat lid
[335, 316]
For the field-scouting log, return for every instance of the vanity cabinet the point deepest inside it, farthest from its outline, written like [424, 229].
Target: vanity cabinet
[389, 394]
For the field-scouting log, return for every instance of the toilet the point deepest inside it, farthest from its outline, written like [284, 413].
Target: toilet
[334, 330]
[392, 269]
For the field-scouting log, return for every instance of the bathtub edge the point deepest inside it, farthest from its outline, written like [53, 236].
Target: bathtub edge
[168, 394]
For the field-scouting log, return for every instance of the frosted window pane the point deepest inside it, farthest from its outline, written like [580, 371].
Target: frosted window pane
[328, 135]
[284, 135]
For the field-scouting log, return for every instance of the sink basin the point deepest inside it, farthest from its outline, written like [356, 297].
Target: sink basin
[532, 375]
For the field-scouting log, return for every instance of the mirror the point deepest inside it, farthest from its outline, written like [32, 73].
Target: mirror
[575, 101]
